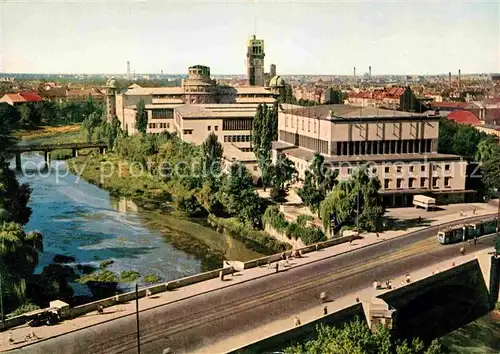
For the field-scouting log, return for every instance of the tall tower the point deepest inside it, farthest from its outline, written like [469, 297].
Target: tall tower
[449, 79]
[459, 79]
[255, 62]
[370, 71]
[110, 99]
[128, 70]
[354, 73]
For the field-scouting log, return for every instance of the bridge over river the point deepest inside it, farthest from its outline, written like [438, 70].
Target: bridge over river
[47, 148]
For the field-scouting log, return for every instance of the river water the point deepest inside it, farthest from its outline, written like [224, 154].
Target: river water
[81, 220]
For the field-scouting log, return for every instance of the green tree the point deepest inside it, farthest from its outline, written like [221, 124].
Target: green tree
[239, 197]
[13, 196]
[282, 173]
[211, 151]
[355, 337]
[19, 257]
[141, 117]
[410, 103]
[319, 180]
[358, 194]
[486, 148]
[29, 116]
[91, 124]
[491, 170]
[257, 129]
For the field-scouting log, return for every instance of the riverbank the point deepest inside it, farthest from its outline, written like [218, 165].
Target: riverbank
[47, 131]
[151, 192]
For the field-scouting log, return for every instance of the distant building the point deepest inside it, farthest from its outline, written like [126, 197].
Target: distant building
[197, 89]
[255, 62]
[21, 97]
[464, 117]
[388, 98]
[400, 148]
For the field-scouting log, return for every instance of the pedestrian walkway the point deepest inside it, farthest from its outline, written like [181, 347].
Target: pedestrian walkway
[365, 295]
[90, 319]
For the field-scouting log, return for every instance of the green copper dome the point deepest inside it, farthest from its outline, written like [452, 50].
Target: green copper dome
[277, 81]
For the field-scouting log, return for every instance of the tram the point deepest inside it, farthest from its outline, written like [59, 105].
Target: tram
[464, 232]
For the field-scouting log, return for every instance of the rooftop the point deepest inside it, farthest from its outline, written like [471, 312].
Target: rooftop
[464, 117]
[340, 111]
[206, 111]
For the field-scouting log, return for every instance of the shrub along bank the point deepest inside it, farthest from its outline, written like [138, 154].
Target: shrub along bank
[297, 230]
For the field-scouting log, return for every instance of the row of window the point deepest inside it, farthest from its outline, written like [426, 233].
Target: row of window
[237, 124]
[237, 138]
[159, 125]
[374, 147]
[216, 128]
[412, 182]
[314, 144]
[296, 121]
[162, 113]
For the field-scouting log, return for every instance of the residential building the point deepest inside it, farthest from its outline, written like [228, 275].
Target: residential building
[19, 98]
[400, 148]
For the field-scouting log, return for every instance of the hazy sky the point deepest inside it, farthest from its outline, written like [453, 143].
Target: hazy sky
[300, 37]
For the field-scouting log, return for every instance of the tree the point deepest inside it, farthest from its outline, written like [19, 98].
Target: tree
[282, 173]
[486, 148]
[359, 193]
[264, 131]
[239, 197]
[319, 180]
[90, 125]
[141, 117]
[29, 116]
[211, 157]
[491, 170]
[410, 103]
[355, 337]
[19, 255]
[13, 196]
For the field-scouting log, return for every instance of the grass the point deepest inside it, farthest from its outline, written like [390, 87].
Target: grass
[46, 131]
[104, 264]
[152, 278]
[109, 172]
[128, 276]
[104, 276]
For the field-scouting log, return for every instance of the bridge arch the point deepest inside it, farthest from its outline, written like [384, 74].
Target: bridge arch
[441, 309]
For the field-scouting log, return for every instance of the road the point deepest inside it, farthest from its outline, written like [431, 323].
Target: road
[193, 323]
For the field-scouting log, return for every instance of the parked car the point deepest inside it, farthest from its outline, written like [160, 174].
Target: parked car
[48, 318]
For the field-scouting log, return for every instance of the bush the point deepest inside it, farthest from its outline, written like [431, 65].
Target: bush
[104, 264]
[104, 276]
[128, 276]
[296, 230]
[152, 278]
[261, 241]
[24, 308]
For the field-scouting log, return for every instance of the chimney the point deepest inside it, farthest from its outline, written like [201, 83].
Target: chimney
[459, 79]
[449, 79]
[370, 71]
[354, 73]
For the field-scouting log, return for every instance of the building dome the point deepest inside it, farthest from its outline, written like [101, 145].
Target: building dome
[111, 83]
[277, 81]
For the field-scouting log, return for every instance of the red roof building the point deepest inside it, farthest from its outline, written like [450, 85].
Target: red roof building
[464, 117]
[20, 97]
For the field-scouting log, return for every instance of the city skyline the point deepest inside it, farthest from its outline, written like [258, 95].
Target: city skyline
[324, 39]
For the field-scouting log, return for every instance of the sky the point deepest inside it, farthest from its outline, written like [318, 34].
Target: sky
[329, 37]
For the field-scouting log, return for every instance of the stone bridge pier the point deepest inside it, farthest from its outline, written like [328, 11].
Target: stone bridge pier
[48, 148]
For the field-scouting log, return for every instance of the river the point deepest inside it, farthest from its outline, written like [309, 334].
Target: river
[81, 220]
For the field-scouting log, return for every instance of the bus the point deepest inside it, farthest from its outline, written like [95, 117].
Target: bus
[464, 232]
[423, 201]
